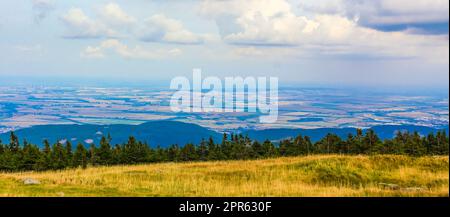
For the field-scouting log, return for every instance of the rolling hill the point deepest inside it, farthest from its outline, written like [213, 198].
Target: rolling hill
[165, 133]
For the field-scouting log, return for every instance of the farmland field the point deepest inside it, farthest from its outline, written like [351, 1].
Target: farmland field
[316, 175]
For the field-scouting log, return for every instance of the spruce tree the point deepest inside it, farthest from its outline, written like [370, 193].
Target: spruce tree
[31, 156]
[80, 156]
[45, 161]
[58, 157]
[13, 143]
[173, 153]
[104, 152]
[188, 153]
[93, 158]
[202, 151]
[269, 149]
[69, 153]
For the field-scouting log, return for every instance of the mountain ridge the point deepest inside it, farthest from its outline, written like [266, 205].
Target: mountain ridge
[166, 132]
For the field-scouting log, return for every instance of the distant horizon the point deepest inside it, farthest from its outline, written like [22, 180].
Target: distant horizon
[80, 81]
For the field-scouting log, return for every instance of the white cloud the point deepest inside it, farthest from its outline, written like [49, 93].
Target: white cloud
[114, 15]
[256, 23]
[113, 22]
[81, 26]
[159, 28]
[93, 52]
[123, 50]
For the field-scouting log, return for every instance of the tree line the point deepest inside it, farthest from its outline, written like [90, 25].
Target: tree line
[24, 156]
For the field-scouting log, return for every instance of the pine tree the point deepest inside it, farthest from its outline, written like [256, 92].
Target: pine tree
[80, 157]
[202, 151]
[214, 152]
[226, 146]
[93, 158]
[329, 143]
[431, 144]
[13, 143]
[308, 145]
[69, 154]
[258, 150]
[371, 140]
[269, 149]
[45, 160]
[31, 156]
[104, 152]
[160, 155]
[173, 153]
[117, 155]
[359, 145]
[2, 148]
[351, 146]
[58, 157]
[188, 153]
[443, 143]
[283, 148]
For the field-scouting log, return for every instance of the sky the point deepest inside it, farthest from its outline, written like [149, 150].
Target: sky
[398, 43]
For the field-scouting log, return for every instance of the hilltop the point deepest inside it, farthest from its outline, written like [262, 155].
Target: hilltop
[316, 175]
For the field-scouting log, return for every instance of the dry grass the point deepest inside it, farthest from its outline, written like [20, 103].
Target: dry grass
[320, 175]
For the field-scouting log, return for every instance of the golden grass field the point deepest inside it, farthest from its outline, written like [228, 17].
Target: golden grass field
[318, 175]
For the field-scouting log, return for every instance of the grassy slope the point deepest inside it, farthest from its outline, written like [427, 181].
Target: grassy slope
[320, 175]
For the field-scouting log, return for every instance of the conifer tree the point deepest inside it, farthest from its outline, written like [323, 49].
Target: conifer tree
[93, 158]
[104, 152]
[202, 151]
[45, 160]
[80, 156]
[69, 153]
[59, 160]
[13, 143]
[269, 149]
[31, 156]
[173, 153]
[188, 153]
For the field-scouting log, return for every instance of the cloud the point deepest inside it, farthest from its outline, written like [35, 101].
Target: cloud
[81, 26]
[258, 23]
[242, 20]
[115, 16]
[123, 50]
[113, 22]
[34, 50]
[93, 52]
[275, 23]
[383, 14]
[404, 11]
[41, 9]
[276, 54]
[159, 28]
[248, 51]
